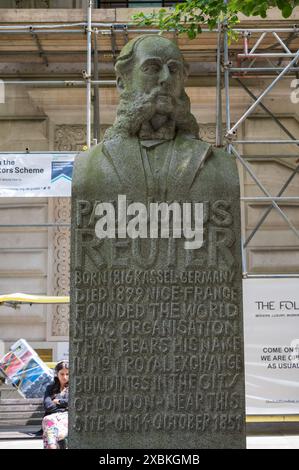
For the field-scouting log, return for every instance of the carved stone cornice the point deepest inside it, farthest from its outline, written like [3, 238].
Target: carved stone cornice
[70, 137]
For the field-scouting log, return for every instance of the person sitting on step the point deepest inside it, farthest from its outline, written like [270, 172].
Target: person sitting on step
[55, 421]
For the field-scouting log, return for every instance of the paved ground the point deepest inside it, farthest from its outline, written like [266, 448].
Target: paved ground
[273, 442]
[253, 442]
[21, 444]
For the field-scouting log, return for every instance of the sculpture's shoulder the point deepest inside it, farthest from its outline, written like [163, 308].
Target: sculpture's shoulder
[217, 172]
[225, 164]
[87, 160]
[207, 155]
[93, 169]
[222, 169]
[223, 155]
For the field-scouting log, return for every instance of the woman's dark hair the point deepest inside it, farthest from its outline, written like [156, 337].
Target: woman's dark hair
[56, 385]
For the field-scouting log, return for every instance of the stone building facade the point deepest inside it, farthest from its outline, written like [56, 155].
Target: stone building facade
[41, 118]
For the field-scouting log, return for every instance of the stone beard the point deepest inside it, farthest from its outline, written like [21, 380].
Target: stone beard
[156, 332]
[137, 120]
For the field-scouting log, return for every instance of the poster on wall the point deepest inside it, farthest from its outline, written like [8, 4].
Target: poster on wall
[271, 329]
[36, 175]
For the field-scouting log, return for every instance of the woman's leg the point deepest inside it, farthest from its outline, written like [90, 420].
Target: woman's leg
[50, 432]
[62, 425]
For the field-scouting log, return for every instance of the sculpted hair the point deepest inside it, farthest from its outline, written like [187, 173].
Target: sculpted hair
[124, 61]
[133, 106]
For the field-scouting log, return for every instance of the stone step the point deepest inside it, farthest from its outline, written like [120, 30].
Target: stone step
[23, 414]
[12, 423]
[15, 434]
[7, 391]
[21, 401]
[21, 407]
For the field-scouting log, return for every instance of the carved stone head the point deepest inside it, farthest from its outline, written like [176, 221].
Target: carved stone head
[151, 74]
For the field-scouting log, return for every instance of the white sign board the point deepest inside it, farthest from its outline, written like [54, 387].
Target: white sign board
[271, 328]
[36, 175]
[62, 351]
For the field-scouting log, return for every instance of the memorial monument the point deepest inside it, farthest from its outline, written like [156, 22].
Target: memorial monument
[156, 334]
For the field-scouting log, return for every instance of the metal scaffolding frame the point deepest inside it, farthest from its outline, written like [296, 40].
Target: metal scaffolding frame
[231, 130]
[225, 70]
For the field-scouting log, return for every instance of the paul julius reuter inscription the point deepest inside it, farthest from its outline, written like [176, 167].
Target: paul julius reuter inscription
[156, 338]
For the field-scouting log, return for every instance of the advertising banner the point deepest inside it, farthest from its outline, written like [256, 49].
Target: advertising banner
[36, 175]
[25, 371]
[271, 325]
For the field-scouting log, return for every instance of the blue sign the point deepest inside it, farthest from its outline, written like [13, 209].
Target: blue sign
[62, 169]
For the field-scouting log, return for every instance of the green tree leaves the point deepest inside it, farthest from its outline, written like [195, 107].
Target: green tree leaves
[190, 15]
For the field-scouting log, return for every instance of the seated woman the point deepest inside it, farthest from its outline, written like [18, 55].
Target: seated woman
[55, 422]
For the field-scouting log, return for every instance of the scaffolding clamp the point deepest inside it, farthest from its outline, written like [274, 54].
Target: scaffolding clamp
[230, 136]
[227, 64]
[85, 75]
[113, 42]
[87, 29]
[246, 34]
[126, 32]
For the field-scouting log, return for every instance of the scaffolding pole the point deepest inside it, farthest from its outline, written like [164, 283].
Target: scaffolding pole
[107, 25]
[264, 190]
[282, 72]
[267, 141]
[102, 27]
[69, 83]
[249, 111]
[96, 97]
[88, 74]
[219, 89]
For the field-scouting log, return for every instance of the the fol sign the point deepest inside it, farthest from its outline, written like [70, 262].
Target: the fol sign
[271, 321]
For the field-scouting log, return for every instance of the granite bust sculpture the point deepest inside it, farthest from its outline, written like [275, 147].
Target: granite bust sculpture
[156, 340]
[153, 146]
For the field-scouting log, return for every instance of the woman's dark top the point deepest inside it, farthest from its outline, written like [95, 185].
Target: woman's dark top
[49, 396]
